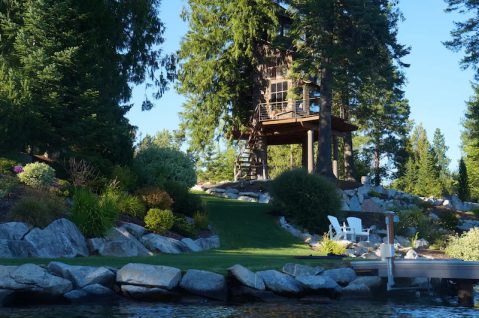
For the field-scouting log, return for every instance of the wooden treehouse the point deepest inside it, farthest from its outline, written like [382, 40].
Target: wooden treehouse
[280, 120]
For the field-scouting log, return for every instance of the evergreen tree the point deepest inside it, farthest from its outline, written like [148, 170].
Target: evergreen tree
[440, 149]
[463, 191]
[217, 165]
[410, 178]
[428, 183]
[470, 142]
[282, 158]
[162, 139]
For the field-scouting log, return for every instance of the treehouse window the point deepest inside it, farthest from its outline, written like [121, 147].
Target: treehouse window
[278, 98]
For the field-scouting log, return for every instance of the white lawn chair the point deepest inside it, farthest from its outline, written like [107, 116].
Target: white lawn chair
[341, 231]
[357, 226]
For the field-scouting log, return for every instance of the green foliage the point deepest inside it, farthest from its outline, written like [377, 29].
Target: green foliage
[465, 247]
[216, 164]
[7, 165]
[306, 198]
[475, 210]
[38, 208]
[440, 148]
[158, 221]
[449, 220]
[413, 240]
[127, 179]
[331, 246]
[155, 198]
[37, 173]
[470, 142]
[184, 202]
[162, 139]
[8, 184]
[182, 227]
[155, 166]
[429, 229]
[375, 194]
[93, 216]
[201, 221]
[131, 206]
[279, 159]
[463, 191]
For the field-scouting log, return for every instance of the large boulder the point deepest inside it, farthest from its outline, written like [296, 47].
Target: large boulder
[374, 238]
[95, 245]
[60, 239]
[91, 293]
[411, 254]
[149, 275]
[153, 294]
[246, 277]
[249, 194]
[391, 193]
[250, 294]
[13, 231]
[282, 284]
[82, 276]
[370, 206]
[205, 283]
[356, 291]
[370, 281]
[264, 198]
[192, 244]
[234, 191]
[421, 243]
[33, 279]
[318, 283]
[15, 249]
[301, 270]
[121, 243]
[209, 242]
[135, 230]
[342, 276]
[403, 241]
[354, 204]
[162, 244]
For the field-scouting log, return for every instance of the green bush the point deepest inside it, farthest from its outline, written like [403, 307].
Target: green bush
[8, 184]
[184, 202]
[465, 247]
[127, 179]
[182, 227]
[7, 165]
[475, 210]
[306, 198]
[330, 246]
[92, 216]
[201, 221]
[449, 220]
[37, 174]
[38, 208]
[158, 221]
[426, 226]
[155, 166]
[375, 194]
[131, 206]
[155, 198]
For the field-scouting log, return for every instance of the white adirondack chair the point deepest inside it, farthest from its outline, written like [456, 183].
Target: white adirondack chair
[357, 226]
[341, 231]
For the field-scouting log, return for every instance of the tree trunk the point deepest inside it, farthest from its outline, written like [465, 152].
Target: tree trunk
[324, 163]
[377, 161]
[349, 169]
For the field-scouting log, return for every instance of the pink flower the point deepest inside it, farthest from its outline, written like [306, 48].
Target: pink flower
[18, 169]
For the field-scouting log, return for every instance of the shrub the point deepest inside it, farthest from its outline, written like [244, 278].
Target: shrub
[465, 247]
[158, 221]
[155, 166]
[7, 184]
[7, 165]
[37, 174]
[127, 179]
[131, 206]
[331, 246]
[475, 210]
[182, 227]
[38, 208]
[449, 220]
[92, 216]
[155, 198]
[184, 202]
[201, 221]
[306, 198]
[375, 194]
[429, 229]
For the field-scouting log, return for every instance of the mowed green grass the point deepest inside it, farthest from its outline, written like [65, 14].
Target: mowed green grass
[248, 234]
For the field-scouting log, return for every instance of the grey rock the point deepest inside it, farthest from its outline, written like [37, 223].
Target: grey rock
[361, 198]
[6, 297]
[149, 275]
[250, 294]
[205, 283]
[232, 196]
[301, 270]
[356, 291]
[370, 281]
[192, 244]
[162, 244]
[82, 276]
[319, 283]
[77, 296]
[13, 231]
[60, 239]
[246, 277]
[217, 190]
[345, 198]
[403, 241]
[358, 250]
[95, 245]
[354, 204]
[345, 206]
[249, 194]
[365, 244]
[411, 254]
[33, 278]
[264, 198]
[100, 292]
[155, 294]
[379, 189]
[135, 230]
[364, 189]
[371, 255]
[350, 192]
[391, 193]
[209, 242]
[246, 198]
[342, 276]
[421, 243]
[124, 248]
[447, 204]
[15, 249]
[282, 284]
[233, 191]
[282, 220]
[374, 238]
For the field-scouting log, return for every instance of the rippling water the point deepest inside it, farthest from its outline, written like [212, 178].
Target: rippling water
[413, 308]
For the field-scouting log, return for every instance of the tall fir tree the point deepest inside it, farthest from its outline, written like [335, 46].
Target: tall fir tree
[410, 176]
[470, 141]
[440, 149]
[428, 183]
[463, 191]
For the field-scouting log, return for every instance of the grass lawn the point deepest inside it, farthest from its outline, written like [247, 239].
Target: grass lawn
[248, 234]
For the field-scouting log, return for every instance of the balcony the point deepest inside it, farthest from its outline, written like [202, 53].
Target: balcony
[279, 71]
[287, 110]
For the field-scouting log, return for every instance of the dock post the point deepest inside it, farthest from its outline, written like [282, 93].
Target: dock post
[335, 157]
[310, 150]
[465, 292]
[390, 219]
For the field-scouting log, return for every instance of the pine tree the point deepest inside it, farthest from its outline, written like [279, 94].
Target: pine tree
[463, 191]
[440, 148]
[410, 178]
[470, 142]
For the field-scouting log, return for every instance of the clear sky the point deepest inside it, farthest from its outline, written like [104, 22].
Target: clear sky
[437, 88]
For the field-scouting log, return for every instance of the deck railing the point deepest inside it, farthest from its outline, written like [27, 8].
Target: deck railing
[288, 110]
[277, 71]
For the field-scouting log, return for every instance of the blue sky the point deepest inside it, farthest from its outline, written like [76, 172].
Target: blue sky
[437, 88]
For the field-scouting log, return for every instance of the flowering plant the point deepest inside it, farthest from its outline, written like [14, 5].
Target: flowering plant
[18, 169]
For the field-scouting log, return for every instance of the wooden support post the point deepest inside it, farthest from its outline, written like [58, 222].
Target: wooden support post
[465, 292]
[261, 153]
[304, 153]
[335, 157]
[310, 151]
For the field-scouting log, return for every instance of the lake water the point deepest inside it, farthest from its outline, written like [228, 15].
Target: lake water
[421, 307]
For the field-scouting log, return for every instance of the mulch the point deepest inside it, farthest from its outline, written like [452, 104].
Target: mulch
[436, 254]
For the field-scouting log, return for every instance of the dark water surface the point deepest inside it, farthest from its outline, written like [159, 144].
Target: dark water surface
[423, 307]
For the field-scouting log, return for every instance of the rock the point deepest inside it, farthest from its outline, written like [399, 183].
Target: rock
[421, 243]
[249, 194]
[391, 193]
[250, 294]
[205, 283]
[141, 293]
[77, 296]
[217, 190]
[379, 189]
[291, 229]
[135, 230]
[374, 238]
[192, 244]
[34, 279]
[319, 283]
[342, 276]
[345, 198]
[82, 276]
[364, 190]
[209, 243]
[354, 204]
[457, 203]
[447, 204]
[350, 192]
[91, 293]
[15, 249]
[246, 198]
[246, 277]
[371, 255]
[411, 254]
[95, 245]
[356, 291]
[60, 239]
[468, 206]
[381, 204]
[13, 231]
[371, 281]
[361, 198]
[197, 187]
[403, 241]
[231, 196]
[264, 198]
[282, 220]
[124, 248]
[365, 244]
[6, 297]
[282, 284]
[162, 244]
[370, 206]
[301, 270]
[358, 250]
[149, 276]
[411, 231]
[233, 191]
[345, 206]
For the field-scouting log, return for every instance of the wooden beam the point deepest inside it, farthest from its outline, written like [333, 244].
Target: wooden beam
[315, 127]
